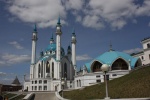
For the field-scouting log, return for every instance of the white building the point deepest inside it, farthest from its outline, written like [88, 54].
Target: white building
[144, 55]
[47, 72]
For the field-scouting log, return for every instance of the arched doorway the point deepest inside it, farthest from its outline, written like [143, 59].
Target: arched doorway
[120, 64]
[65, 70]
[96, 66]
[138, 63]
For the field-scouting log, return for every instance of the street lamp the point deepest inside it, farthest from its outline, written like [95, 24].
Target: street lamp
[105, 69]
[62, 83]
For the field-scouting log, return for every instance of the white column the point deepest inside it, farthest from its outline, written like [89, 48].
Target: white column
[33, 52]
[58, 52]
[74, 54]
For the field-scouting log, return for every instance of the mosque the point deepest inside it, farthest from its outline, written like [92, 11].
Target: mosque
[54, 66]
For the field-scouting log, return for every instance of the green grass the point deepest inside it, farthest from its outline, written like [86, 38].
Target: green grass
[20, 97]
[9, 95]
[133, 85]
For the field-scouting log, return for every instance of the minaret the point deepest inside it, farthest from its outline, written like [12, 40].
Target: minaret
[58, 48]
[73, 42]
[33, 57]
[58, 39]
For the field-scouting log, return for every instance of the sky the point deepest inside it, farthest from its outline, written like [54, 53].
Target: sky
[97, 23]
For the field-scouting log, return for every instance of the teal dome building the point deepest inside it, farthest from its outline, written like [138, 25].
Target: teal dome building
[119, 63]
[116, 61]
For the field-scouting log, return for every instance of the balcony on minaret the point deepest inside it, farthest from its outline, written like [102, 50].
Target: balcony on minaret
[34, 38]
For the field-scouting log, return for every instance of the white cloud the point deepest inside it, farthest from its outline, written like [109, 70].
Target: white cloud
[42, 12]
[16, 45]
[83, 57]
[93, 22]
[73, 4]
[9, 59]
[133, 50]
[90, 13]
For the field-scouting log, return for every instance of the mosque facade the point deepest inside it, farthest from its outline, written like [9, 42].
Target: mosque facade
[54, 66]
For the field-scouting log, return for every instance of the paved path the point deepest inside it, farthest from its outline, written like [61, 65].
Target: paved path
[45, 96]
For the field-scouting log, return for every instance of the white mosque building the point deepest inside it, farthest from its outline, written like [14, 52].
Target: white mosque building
[47, 72]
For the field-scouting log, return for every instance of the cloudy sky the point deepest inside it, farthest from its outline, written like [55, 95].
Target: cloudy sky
[97, 22]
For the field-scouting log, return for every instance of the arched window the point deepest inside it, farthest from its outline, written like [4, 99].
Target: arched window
[96, 66]
[148, 45]
[79, 83]
[52, 69]
[47, 67]
[138, 63]
[39, 70]
[119, 64]
[65, 70]
[42, 69]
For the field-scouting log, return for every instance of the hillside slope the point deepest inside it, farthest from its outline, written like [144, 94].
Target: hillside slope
[134, 85]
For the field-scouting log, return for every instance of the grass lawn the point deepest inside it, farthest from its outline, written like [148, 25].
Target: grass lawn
[134, 85]
[9, 95]
[20, 97]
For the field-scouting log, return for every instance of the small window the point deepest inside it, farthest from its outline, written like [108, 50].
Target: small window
[35, 82]
[98, 81]
[45, 87]
[142, 58]
[149, 56]
[45, 81]
[114, 75]
[148, 45]
[32, 87]
[35, 87]
[32, 82]
[40, 81]
[98, 76]
[40, 87]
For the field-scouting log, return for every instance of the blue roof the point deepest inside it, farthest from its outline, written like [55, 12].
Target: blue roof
[44, 58]
[51, 47]
[110, 57]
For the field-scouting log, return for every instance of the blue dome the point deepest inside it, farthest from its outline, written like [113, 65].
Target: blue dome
[110, 57]
[51, 47]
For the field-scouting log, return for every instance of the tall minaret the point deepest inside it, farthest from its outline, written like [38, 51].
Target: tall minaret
[73, 41]
[33, 57]
[58, 48]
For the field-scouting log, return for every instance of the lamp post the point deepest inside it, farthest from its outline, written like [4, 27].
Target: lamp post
[62, 83]
[105, 69]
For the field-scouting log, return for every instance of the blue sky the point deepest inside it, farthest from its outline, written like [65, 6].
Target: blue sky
[97, 22]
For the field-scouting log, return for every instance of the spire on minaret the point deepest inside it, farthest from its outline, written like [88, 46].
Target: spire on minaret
[58, 21]
[35, 29]
[73, 31]
[52, 39]
[110, 47]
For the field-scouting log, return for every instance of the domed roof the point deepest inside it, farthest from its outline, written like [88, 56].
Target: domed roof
[111, 56]
[51, 47]
[50, 51]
